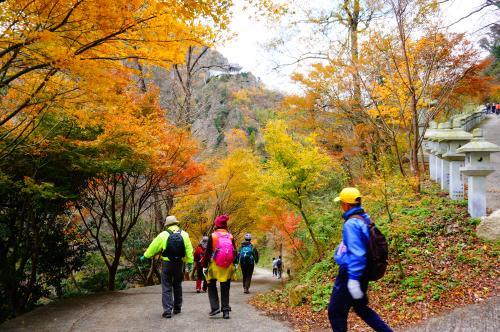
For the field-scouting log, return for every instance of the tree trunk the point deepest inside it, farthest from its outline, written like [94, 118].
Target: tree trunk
[353, 33]
[112, 276]
[415, 146]
[113, 268]
[311, 232]
[157, 210]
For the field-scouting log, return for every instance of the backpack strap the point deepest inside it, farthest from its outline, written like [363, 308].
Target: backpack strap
[358, 216]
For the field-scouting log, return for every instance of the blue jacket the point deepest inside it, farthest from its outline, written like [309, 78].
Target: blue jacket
[351, 252]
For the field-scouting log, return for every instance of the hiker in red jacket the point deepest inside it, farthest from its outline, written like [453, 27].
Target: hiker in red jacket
[220, 266]
[199, 258]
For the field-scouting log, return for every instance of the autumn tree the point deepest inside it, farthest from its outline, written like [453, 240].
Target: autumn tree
[408, 75]
[230, 187]
[294, 170]
[284, 225]
[72, 55]
[147, 157]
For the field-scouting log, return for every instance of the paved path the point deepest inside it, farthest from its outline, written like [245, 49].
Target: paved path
[482, 317]
[139, 309]
[492, 133]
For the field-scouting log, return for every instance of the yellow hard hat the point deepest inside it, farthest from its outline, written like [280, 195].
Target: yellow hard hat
[348, 195]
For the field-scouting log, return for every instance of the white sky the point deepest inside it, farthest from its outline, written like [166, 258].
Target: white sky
[246, 48]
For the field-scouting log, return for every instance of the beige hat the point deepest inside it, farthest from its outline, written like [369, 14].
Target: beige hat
[171, 220]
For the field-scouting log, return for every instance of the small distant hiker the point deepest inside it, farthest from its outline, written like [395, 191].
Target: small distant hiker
[249, 256]
[220, 266]
[199, 259]
[358, 263]
[176, 249]
[275, 268]
[279, 267]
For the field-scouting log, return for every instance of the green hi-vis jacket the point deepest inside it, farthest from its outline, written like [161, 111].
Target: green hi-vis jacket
[160, 243]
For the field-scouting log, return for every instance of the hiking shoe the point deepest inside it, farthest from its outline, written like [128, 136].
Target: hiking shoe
[166, 315]
[214, 312]
[177, 311]
[246, 291]
[225, 315]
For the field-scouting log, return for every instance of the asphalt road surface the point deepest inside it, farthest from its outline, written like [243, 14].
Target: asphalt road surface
[139, 309]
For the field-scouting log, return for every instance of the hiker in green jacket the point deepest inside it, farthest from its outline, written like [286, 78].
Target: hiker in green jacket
[176, 249]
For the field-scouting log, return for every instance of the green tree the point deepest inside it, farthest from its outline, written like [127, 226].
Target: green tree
[294, 170]
[40, 245]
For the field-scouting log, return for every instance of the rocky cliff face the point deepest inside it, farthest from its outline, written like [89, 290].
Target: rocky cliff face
[222, 99]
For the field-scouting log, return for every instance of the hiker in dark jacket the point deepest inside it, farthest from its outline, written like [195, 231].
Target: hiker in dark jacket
[279, 267]
[350, 289]
[220, 265]
[249, 256]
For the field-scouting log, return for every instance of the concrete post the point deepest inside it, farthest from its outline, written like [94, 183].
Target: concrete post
[437, 164]
[436, 151]
[428, 147]
[445, 175]
[456, 180]
[442, 148]
[477, 196]
[432, 166]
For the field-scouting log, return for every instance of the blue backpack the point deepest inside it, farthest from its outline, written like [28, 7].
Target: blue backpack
[246, 255]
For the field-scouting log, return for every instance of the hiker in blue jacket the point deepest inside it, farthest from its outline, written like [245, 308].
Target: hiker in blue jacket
[350, 289]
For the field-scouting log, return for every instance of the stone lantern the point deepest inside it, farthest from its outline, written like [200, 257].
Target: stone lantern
[477, 167]
[441, 147]
[428, 146]
[455, 139]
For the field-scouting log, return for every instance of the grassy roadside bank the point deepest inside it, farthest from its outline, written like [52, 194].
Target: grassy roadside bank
[436, 264]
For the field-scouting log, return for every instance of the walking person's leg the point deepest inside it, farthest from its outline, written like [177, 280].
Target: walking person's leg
[213, 297]
[166, 289]
[340, 303]
[248, 281]
[224, 294]
[367, 314]
[177, 277]
[244, 281]
[199, 278]
[370, 316]
[204, 287]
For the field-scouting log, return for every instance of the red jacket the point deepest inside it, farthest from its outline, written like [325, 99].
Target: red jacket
[199, 255]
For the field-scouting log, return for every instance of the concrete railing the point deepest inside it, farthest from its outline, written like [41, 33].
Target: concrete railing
[454, 153]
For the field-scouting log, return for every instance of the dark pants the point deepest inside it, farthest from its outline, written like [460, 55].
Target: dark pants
[247, 271]
[213, 295]
[171, 279]
[341, 302]
[200, 278]
[275, 271]
[279, 272]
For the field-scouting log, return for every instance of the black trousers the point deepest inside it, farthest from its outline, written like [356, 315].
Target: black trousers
[200, 278]
[341, 302]
[247, 271]
[213, 295]
[171, 288]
